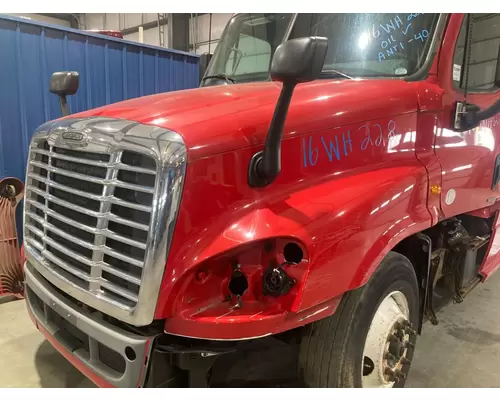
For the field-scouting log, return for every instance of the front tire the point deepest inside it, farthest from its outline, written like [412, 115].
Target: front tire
[369, 341]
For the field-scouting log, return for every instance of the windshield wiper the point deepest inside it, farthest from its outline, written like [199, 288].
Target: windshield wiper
[219, 76]
[335, 72]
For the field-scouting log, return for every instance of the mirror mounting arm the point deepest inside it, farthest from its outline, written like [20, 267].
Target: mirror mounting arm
[63, 103]
[265, 165]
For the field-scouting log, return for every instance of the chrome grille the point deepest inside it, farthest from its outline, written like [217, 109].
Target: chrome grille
[101, 202]
[88, 216]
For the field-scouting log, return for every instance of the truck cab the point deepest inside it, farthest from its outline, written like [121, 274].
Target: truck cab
[332, 182]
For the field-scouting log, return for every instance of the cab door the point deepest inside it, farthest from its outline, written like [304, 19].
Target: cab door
[470, 159]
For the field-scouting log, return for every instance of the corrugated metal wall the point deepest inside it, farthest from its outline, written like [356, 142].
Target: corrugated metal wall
[110, 70]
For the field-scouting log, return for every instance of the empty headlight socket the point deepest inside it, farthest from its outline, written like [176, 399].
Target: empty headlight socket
[292, 253]
[275, 281]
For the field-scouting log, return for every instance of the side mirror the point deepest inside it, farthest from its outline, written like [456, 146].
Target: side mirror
[295, 61]
[299, 60]
[204, 61]
[64, 84]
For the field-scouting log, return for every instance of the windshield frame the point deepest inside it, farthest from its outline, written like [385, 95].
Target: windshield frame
[419, 74]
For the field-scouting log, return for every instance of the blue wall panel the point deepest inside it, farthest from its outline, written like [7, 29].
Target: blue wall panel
[110, 69]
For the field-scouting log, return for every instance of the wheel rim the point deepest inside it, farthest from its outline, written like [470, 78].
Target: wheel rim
[387, 343]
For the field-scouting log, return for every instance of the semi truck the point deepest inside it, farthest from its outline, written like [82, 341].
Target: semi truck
[331, 183]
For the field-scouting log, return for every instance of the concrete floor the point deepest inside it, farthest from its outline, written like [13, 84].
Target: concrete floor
[462, 351]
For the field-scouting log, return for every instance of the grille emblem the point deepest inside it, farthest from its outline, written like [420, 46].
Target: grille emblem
[75, 139]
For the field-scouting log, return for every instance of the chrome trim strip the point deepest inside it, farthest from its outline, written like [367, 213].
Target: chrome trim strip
[119, 166]
[65, 266]
[60, 217]
[126, 167]
[111, 136]
[131, 186]
[123, 221]
[64, 203]
[69, 158]
[46, 240]
[68, 189]
[122, 239]
[101, 265]
[48, 271]
[86, 228]
[110, 217]
[120, 274]
[35, 243]
[35, 230]
[123, 257]
[75, 175]
[123, 203]
[86, 245]
[67, 236]
[118, 290]
[92, 179]
[111, 199]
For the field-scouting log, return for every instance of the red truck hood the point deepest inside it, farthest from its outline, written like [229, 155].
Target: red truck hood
[224, 118]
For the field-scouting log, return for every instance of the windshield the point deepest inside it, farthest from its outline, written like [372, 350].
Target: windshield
[359, 45]
[245, 49]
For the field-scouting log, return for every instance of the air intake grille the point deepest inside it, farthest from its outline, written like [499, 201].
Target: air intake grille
[87, 217]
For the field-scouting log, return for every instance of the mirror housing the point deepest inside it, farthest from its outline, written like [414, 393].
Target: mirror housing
[204, 61]
[295, 61]
[299, 60]
[64, 83]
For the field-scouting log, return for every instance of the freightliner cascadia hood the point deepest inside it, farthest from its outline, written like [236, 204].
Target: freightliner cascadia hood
[219, 119]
